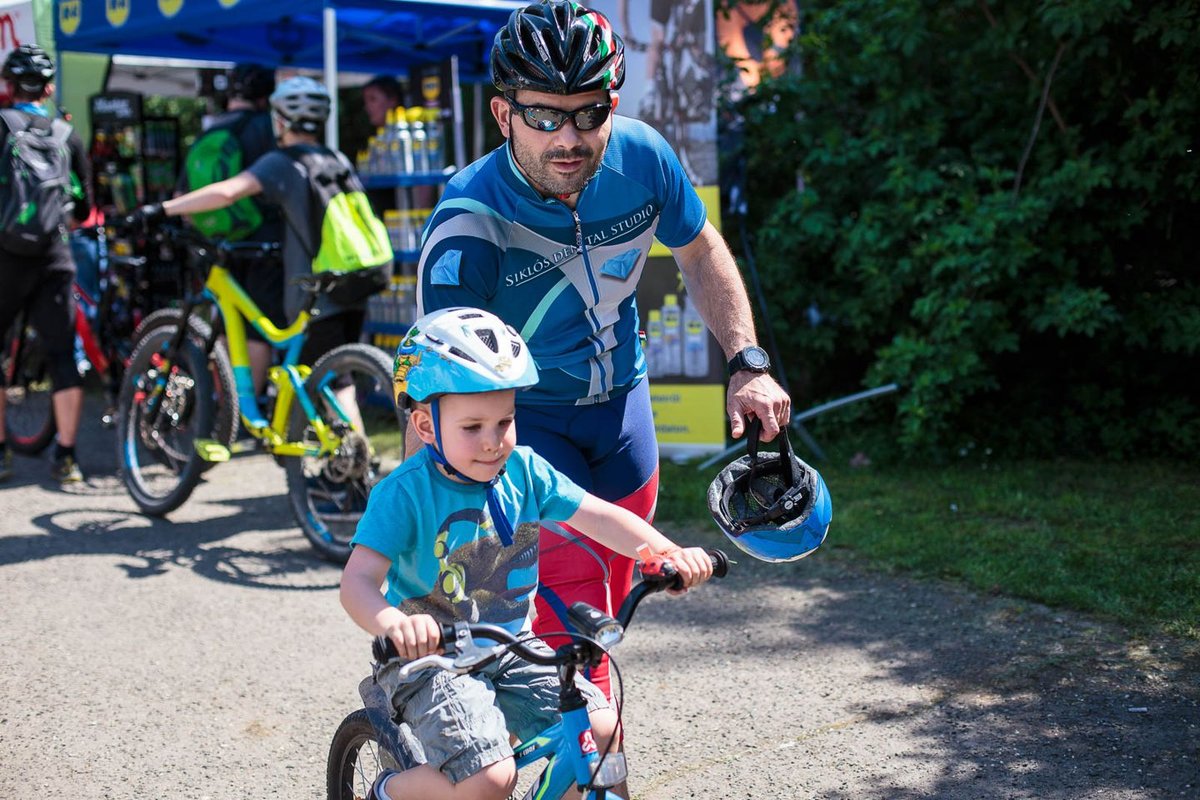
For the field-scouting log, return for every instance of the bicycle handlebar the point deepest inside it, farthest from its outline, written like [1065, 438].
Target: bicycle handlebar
[463, 655]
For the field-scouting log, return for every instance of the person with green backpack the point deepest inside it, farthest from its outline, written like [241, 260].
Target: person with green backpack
[232, 142]
[328, 224]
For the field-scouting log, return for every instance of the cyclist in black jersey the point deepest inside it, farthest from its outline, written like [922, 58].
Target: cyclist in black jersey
[42, 282]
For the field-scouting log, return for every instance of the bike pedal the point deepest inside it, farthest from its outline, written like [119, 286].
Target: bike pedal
[211, 450]
[244, 446]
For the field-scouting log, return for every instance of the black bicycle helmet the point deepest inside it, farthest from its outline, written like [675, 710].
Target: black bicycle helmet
[29, 67]
[251, 81]
[558, 47]
[773, 506]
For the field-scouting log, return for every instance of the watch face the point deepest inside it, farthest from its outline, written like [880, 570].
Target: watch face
[756, 358]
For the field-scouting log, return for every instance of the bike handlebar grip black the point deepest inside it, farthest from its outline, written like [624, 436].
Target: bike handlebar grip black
[720, 562]
[383, 649]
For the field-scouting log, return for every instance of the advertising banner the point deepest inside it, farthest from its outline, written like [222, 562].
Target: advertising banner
[16, 28]
[671, 84]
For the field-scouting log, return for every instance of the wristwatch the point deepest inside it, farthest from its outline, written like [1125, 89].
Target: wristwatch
[751, 359]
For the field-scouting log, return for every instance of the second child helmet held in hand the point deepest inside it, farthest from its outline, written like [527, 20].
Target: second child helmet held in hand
[302, 103]
[460, 351]
[773, 506]
[558, 47]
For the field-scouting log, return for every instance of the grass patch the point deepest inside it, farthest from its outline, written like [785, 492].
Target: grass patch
[1117, 540]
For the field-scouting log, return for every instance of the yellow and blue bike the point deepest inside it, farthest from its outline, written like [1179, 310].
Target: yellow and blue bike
[332, 425]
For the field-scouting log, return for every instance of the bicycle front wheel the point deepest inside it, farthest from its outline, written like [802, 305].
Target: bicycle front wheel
[225, 419]
[350, 390]
[28, 392]
[355, 759]
[164, 406]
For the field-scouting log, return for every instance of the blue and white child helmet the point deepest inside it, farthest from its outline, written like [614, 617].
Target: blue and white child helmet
[460, 351]
[773, 506]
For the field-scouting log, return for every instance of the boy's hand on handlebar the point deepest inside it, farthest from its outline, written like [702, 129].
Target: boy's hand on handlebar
[693, 564]
[415, 636]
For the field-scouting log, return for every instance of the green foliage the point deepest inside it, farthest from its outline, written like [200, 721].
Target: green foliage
[1107, 538]
[188, 111]
[994, 206]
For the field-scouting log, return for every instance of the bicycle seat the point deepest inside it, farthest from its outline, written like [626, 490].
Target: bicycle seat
[318, 284]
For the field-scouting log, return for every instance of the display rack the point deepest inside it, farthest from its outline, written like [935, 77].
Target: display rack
[135, 158]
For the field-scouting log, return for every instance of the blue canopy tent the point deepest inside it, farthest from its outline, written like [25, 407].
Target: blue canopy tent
[355, 35]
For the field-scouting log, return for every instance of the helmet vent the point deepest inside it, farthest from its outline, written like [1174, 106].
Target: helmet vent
[462, 355]
[516, 348]
[489, 339]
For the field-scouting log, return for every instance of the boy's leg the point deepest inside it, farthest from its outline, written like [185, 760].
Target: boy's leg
[463, 735]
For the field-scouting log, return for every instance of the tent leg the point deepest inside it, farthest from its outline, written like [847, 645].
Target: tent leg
[329, 19]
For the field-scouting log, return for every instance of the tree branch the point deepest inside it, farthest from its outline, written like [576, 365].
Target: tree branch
[1020, 62]
[1037, 122]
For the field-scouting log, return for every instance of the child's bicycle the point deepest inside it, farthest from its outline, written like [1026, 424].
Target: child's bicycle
[371, 739]
[333, 426]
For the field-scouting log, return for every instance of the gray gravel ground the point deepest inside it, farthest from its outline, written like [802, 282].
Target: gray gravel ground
[206, 656]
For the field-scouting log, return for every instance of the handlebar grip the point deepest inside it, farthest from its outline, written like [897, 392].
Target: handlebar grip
[720, 562]
[383, 649]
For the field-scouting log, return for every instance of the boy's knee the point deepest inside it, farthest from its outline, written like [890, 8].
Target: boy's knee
[494, 782]
[604, 729]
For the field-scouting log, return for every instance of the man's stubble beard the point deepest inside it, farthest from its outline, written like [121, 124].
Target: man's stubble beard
[537, 169]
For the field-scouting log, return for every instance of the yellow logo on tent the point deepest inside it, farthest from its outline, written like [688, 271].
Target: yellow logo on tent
[68, 15]
[431, 88]
[228, 3]
[117, 12]
[169, 8]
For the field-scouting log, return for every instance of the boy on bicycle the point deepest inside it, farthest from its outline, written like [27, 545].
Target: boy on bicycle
[454, 530]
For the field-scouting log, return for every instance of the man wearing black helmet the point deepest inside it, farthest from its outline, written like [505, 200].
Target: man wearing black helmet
[248, 118]
[551, 233]
[41, 281]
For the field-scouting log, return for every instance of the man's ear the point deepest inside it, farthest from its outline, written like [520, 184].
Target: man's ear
[615, 99]
[503, 115]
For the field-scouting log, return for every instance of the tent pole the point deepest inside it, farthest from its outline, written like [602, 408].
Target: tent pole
[331, 76]
[460, 145]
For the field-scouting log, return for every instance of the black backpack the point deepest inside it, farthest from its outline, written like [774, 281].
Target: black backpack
[35, 181]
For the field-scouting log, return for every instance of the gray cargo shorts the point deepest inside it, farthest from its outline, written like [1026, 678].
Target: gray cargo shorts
[463, 721]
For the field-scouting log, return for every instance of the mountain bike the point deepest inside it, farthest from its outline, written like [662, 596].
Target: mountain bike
[372, 739]
[104, 327]
[333, 426]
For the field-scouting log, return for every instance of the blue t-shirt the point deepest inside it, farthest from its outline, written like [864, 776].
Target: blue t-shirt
[565, 279]
[447, 559]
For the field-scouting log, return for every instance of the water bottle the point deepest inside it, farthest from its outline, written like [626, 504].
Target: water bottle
[672, 339]
[654, 344]
[695, 341]
[416, 127]
[402, 134]
[433, 139]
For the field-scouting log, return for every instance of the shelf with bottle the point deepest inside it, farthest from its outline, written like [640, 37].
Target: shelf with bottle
[391, 312]
[407, 150]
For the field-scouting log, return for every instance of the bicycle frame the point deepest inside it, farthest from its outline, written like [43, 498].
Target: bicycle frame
[236, 309]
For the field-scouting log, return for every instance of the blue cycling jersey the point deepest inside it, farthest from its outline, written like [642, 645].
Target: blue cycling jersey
[565, 279]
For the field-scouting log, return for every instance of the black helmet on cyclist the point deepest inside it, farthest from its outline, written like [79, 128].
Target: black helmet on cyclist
[302, 103]
[773, 506]
[251, 81]
[558, 47]
[29, 67]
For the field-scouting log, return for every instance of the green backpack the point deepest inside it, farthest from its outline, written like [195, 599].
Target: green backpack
[215, 156]
[353, 242]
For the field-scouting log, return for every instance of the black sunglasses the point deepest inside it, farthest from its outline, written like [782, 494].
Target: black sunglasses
[545, 119]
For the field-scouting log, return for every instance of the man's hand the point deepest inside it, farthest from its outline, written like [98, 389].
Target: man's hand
[145, 216]
[760, 395]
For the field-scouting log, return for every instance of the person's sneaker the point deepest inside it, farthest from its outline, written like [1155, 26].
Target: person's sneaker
[65, 470]
[6, 466]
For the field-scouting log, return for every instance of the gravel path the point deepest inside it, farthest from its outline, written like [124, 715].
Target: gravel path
[207, 657]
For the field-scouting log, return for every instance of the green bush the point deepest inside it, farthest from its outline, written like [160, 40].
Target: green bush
[994, 206]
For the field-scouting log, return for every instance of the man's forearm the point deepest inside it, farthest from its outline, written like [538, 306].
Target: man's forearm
[717, 290]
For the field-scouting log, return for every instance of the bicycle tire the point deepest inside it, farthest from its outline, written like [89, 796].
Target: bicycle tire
[328, 494]
[29, 424]
[226, 419]
[163, 477]
[355, 759]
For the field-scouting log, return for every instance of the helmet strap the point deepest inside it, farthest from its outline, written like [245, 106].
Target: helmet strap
[504, 528]
[753, 432]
